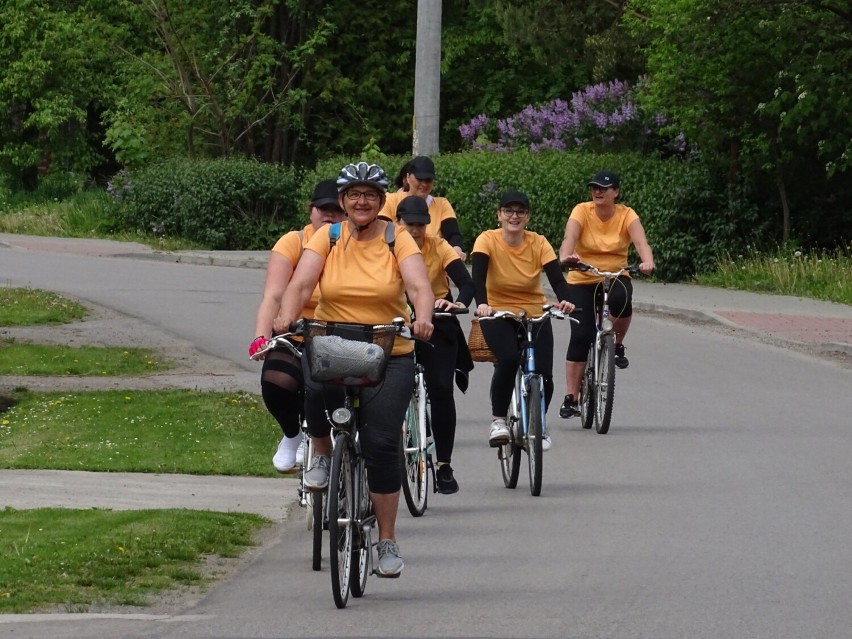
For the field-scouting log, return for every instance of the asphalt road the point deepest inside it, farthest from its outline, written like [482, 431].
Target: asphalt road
[717, 506]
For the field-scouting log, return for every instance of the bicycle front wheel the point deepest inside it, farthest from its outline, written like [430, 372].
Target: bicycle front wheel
[341, 514]
[534, 435]
[412, 461]
[510, 454]
[318, 514]
[587, 391]
[363, 538]
[605, 382]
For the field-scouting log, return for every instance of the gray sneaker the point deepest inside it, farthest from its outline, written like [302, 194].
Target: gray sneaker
[316, 477]
[390, 563]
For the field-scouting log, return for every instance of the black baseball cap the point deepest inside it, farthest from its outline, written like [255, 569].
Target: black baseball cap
[514, 197]
[605, 179]
[325, 194]
[422, 167]
[413, 210]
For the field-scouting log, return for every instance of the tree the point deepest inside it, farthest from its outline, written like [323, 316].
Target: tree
[745, 80]
[55, 81]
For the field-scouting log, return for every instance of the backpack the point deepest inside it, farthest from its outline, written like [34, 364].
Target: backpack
[390, 235]
[334, 235]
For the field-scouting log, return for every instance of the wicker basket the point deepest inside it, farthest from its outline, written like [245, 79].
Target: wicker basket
[348, 354]
[479, 349]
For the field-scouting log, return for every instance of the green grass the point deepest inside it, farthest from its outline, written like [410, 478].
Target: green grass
[76, 559]
[139, 431]
[88, 214]
[39, 359]
[821, 275]
[32, 307]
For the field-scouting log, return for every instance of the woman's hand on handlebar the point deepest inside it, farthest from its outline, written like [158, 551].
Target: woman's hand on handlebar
[257, 344]
[484, 310]
[646, 268]
[422, 329]
[446, 305]
[565, 306]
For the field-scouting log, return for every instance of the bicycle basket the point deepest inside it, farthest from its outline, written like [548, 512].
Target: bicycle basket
[479, 349]
[348, 354]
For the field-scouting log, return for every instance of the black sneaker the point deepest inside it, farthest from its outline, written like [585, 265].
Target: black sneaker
[620, 360]
[569, 407]
[445, 483]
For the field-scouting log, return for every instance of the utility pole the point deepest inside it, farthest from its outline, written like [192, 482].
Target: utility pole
[427, 79]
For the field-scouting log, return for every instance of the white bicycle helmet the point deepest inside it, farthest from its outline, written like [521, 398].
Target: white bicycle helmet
[362, 173]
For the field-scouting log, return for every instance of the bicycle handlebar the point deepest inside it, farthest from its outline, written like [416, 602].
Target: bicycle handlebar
[549, 311]
[631, 269]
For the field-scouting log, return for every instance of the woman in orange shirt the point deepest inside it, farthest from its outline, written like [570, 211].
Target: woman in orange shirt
[507, 267]
[599, 233]
[362, 280]
[281, 377]
[417, 177]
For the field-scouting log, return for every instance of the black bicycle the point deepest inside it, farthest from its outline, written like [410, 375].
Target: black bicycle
[597, 390]
[353, 356]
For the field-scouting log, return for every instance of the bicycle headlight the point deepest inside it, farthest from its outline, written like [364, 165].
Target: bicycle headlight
[606, 324]
[341, 416]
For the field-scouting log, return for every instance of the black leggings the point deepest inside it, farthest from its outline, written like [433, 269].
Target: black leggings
[382, 412]
[587, 297]
[439, 363]
[280, 387]
[502, 337]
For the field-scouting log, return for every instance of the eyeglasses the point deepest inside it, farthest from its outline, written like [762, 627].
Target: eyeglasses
[354, 196]
[520, 213]
[597, 187]
[331, 210]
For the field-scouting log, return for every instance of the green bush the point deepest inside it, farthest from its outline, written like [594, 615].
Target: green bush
[688, 215]
[221, 204]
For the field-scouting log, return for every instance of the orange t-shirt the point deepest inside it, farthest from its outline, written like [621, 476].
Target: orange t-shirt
[361, 281]
[601, 244]
[513, 281]
[438, 255]
[440, 209]
[290, 246]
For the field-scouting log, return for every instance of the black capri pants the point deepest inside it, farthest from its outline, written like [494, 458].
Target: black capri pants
[382, 413]
[588, 297]
[502, 338]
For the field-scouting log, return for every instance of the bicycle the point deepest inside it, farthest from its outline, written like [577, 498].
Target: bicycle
[597, 389]
[352, 356]
[314, 503]
[416, 445]
[526, 419]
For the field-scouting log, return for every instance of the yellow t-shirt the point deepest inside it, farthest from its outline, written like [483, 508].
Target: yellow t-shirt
[513, 281]
[440, 209]
[438, 255]
[601, 244]
[361, 281]
[290, 246]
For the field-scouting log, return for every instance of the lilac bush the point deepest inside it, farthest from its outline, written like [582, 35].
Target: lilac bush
[601, 117]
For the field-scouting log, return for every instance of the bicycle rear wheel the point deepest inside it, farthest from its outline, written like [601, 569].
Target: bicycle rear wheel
[534, 435]
[412, 462]
[510, 454]
[605, 373]
[341, 512]
[587, 391]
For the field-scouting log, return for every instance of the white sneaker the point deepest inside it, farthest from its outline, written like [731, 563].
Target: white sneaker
[301, 450]
[546, 443]
[499, 435]
[285, 458]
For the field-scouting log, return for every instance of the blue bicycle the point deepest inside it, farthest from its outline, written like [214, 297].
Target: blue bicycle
[526, 419]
